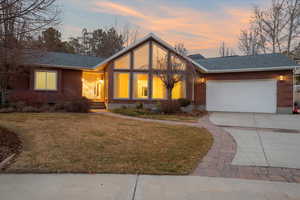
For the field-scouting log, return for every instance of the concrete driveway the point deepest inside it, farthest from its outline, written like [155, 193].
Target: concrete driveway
[263, 139]
[255, 120]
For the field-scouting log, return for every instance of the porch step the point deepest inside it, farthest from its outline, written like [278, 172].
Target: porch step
[97, 105]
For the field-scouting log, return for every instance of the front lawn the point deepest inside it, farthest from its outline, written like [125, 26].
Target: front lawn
[143, 113]
[94, 143]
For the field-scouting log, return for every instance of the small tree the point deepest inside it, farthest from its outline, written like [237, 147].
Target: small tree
[172, 70]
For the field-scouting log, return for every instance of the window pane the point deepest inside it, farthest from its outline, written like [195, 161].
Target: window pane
[178, 90]
[40, 80]
[158, 89]
[179, 64]
[51, 81]
[121, 85]
[123, 62]
[141, 57]
[297, 79]
[159, 57]
[140, 85]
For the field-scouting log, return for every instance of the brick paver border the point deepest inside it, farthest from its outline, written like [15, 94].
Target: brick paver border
[217, 163]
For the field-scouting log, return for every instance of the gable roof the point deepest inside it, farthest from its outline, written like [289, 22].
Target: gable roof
[147, 37]
[247, 63]
[65, 60]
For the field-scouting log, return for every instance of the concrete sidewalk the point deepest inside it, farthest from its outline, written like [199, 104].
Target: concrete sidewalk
[132, 187]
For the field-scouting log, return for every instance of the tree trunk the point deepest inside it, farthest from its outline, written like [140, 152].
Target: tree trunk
[170, 94]
[3, 97]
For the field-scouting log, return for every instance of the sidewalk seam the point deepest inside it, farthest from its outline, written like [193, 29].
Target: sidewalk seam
[135, 187]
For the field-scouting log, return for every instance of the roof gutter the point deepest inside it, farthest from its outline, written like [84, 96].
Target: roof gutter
[64, 67]
[253, 69]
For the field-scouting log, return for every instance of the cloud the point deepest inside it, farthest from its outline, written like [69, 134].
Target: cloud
[196, 29]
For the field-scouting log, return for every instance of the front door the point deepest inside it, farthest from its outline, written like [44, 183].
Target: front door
[93, 85]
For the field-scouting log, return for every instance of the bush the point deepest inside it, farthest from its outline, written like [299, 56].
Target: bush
[139, 106]
[7, 110]
[81, 105]
[30, 109]
[169, 107]
[28, 98]
[184, 102]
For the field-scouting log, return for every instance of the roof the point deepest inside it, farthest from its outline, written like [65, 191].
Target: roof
[196, 56]
[65, 60]
[247, 63]
[147, 37]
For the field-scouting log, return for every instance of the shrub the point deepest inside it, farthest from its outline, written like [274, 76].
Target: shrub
[45, 108]
[184, 102]
[81, 105]
[30, 109]
[139, 106]
[7, 110]
[29, 98]
[169, 107]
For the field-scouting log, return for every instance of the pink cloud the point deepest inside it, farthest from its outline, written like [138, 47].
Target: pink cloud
[212, 28]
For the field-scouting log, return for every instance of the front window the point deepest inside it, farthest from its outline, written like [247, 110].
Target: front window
[158, 88]
[140, 84]
[123, 62]
[141, 57]
[159, 58]
[178, 90]
[121, 85]
[45, 80]
[179, 65]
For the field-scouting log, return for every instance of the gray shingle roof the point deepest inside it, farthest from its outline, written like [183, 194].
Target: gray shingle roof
[65, 60]
[246, 62]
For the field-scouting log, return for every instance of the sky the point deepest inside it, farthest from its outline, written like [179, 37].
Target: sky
[200, 24]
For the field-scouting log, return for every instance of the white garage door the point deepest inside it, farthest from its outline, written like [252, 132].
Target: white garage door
[242, 96]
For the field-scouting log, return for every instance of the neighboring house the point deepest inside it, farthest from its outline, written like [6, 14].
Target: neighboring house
[262, 83]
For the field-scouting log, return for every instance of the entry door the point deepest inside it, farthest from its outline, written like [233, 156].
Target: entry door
[242, 96]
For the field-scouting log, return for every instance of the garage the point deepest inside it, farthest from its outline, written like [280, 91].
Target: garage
[242, 96]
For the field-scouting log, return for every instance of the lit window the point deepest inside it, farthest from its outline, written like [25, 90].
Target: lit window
[45, 80]
[158, 88]
[121, 85]
[159, 58]
[178, 90]
[140, 85]
[179, 64]
[141, 57]
[123, 62]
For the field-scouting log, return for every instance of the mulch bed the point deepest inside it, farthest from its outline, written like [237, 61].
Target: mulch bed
[9, 144]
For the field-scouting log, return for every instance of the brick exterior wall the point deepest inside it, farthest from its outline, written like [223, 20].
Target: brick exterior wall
[284, 88]
[69, 84]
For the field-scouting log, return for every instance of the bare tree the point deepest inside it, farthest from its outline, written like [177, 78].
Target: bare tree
[180, 48]
[172, 70]
[293, 20]
[130, 34]
[19, 19]
[249, 43]
[225, 51]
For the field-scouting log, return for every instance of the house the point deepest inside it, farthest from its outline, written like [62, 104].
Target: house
[261, 83]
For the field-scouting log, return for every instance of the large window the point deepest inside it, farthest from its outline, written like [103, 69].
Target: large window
[179, 90]
[159, 58]
[141, 57]
[140, 86]
[121, 85]
[123, 62]
[158, 88]
[179, 64]
[45, 80]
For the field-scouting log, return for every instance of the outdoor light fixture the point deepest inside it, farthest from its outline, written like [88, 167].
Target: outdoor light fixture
[281, 78]
[202, 80]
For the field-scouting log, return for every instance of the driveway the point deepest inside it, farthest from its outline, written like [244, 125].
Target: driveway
[263, 139]
[133, 187]
[255, 120]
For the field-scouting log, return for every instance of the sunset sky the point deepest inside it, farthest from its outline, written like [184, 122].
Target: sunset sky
[200, 24]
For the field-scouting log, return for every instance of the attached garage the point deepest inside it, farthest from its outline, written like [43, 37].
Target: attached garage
[242, 96]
